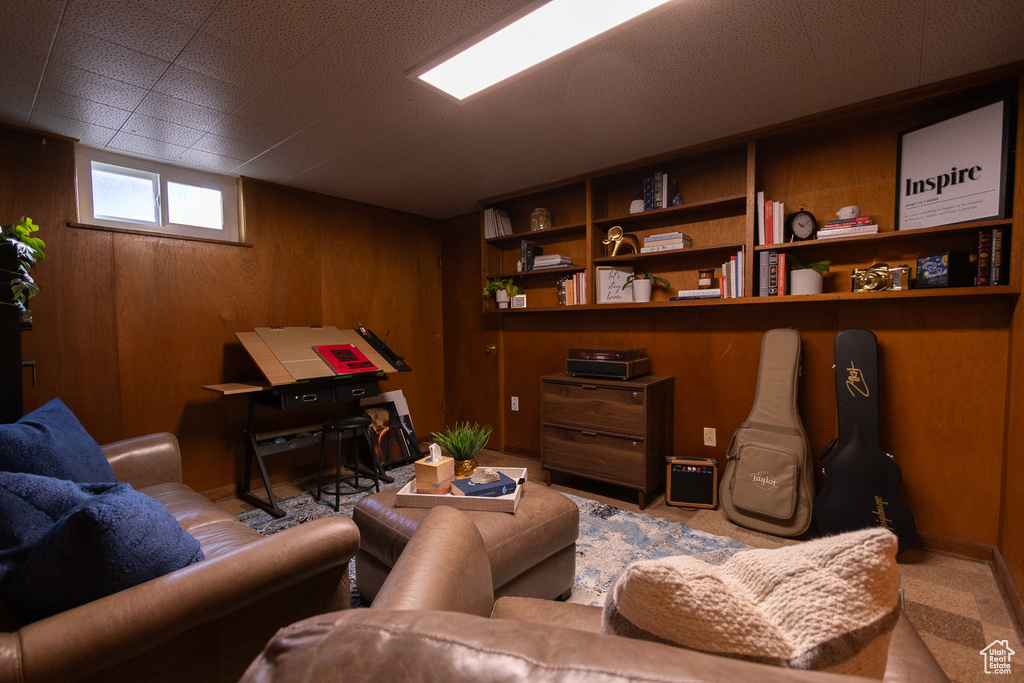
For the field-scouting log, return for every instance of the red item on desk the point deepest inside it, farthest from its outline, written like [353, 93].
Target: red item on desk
[345, 359]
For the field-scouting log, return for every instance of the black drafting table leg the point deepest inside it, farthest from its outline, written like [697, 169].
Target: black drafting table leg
[252, 451]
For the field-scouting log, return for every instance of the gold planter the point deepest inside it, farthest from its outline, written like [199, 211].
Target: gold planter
[465, 468]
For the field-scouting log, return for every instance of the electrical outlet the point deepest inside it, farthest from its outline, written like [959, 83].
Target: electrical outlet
[709, 436]
[515, 403]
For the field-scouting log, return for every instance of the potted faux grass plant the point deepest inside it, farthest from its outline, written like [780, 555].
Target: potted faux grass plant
[462, 442]
[642, 285]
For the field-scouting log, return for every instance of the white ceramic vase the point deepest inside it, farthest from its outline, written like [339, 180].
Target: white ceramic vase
[501, 296]
[641, 291]
[804, 281]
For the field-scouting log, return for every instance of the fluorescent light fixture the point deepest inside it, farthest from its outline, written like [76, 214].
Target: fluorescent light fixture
[543, 33]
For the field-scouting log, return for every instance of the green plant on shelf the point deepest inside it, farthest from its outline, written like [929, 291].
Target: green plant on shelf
[820, 266]
[656, 280]
[498, 284]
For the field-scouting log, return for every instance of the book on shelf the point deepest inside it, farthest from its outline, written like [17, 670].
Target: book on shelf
[767, 215]
[528, 252]
[496, 223]
[662, 236]
[687, 294]
[542, 261]
[843, 222]
[848, 231]
[732, 280]
[773, 273]
[762, 273]
[983, 274]
[653, 248]
[760, 218]
[999, 271]
[783, 275]
[778, 220]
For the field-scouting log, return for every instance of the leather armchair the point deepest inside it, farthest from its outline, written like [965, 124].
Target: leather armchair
[435, 620]
[204, 622]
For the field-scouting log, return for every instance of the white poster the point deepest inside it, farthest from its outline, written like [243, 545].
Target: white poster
[952, 171]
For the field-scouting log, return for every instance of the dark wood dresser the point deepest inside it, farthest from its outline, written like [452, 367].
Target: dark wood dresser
[617, 431]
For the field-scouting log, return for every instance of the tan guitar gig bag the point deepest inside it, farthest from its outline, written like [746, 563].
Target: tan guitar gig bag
[768, 484]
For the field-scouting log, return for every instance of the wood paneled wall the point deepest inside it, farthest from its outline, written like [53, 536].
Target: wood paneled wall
[129, 327]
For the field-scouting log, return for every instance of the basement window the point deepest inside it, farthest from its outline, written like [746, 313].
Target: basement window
[116, 191]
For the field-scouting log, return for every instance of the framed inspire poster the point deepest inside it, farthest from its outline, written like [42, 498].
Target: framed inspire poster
[955, 170]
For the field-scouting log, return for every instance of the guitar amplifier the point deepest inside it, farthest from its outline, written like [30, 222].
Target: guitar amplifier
[692, 482]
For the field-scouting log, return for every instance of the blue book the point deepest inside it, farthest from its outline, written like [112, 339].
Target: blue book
[465, 487]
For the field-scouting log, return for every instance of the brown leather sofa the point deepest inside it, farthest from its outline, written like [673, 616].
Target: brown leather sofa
[202, 623]
[435, 619]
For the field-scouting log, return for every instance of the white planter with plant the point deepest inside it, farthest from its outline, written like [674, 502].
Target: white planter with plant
[643, 284]
[806, 279]
[503, 290]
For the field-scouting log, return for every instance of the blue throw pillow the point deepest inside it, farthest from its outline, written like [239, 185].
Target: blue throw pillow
[52, 442]
[29, 506]
[106, 538]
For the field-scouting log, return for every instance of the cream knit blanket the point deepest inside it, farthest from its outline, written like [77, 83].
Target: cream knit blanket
[828, 604]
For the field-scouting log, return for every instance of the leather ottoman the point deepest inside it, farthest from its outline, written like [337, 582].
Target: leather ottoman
[532, 552]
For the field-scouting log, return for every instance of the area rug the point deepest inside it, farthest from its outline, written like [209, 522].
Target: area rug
[609, 538]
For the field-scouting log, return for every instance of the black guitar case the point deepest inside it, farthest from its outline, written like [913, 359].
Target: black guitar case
[862, 479]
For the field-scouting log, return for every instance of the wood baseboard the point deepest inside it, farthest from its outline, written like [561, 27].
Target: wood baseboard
[1010, 593]
[947, 544]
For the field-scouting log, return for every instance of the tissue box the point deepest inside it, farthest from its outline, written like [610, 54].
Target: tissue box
[434, 477]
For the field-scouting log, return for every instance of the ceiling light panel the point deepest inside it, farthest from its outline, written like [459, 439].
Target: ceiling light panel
[548, 30]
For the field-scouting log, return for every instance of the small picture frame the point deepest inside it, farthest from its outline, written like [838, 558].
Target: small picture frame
[519, 301]
[955, 170]
[610, 281]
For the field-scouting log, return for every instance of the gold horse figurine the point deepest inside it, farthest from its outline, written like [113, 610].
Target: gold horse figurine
[619, 239]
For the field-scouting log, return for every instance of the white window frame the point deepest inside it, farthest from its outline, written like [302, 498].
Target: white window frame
[228, 187]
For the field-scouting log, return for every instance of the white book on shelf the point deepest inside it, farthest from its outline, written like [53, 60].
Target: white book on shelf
[760, 217]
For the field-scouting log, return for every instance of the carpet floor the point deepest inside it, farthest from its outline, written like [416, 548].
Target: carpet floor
[953, 601]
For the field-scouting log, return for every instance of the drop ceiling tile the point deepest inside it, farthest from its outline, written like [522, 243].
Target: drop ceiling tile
[130, 25]
[227, 147]
[92, 86]
[882, 57]
[201, 89]
[157, 129]
[73, 107]
[147, 147]
[246, 65]
[208, 161]
[167, 108]
[86, 133]
[107, 59]
[960, 38]
[764, 57]
[294, 21]
[255, 135]
[192, 13]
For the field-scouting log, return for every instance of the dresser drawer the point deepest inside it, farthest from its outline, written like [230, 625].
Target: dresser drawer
[597, 455]
[595, 406]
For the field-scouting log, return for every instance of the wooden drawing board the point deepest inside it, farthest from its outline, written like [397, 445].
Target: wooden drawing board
[285, 354]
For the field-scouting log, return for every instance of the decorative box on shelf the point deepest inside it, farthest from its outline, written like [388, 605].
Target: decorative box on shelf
[407, 496]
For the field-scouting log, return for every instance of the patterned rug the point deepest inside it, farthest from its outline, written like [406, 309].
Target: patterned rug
[609, 538]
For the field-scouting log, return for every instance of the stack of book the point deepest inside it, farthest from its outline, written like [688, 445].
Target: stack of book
[496, 223]
[772, 274]
[862, 225]
[771, 219]
[666, 241]
[548, 261]
[686, 294]
[993, 260]
[732, 281]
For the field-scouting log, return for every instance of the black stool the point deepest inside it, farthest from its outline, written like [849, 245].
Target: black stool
[345, 428]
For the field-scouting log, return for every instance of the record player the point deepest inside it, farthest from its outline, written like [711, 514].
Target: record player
[608, 363]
